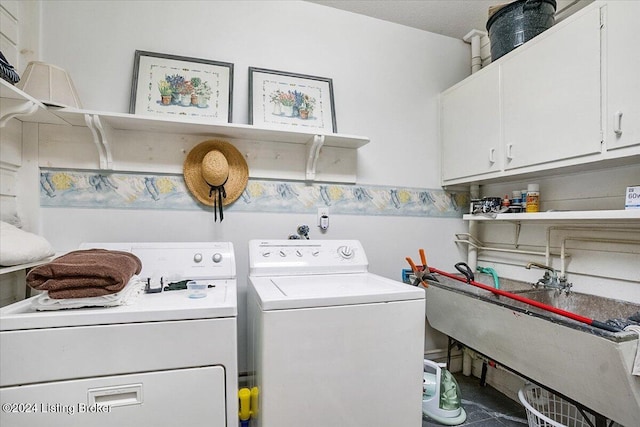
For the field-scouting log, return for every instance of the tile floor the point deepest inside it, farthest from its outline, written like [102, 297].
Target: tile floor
[485, 406]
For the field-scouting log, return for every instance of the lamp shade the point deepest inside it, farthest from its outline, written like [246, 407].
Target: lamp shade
[49, 84]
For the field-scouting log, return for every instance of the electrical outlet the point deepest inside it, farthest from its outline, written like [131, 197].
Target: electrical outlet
[323, 218]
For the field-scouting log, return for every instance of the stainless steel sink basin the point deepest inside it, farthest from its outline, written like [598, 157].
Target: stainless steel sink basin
[592, 306]
[589, 365]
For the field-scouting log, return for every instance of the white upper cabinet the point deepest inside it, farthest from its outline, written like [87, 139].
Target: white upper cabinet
[551, 96]
[569, 97]
[470, 126]
[621, 39]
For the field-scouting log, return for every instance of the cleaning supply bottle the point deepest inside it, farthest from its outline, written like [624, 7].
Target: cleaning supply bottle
[506, 203]
[516, 201]
[533, 198]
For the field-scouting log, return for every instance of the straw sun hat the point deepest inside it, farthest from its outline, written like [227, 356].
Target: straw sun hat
[216, 174]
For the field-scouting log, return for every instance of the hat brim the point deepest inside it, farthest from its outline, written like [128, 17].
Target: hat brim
[238, 172]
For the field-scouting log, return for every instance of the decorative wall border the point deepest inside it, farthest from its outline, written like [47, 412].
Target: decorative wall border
[100, 190]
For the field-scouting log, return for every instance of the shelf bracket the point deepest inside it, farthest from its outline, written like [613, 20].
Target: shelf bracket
[101, 136]
[105, 136]
[312, 158]
[25, 108]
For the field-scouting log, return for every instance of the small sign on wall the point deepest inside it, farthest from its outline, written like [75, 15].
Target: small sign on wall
[633, 198]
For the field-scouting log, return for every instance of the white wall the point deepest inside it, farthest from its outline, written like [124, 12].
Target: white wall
[385, 76]
[386, 80]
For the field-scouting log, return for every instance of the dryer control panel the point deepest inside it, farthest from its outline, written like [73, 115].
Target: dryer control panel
[174, 261]
[299, 257]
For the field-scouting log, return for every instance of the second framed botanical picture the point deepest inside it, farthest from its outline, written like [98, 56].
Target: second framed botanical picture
[178, 86]
[291, 101]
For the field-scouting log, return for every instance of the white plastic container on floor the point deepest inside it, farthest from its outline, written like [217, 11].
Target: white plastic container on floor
[545, 409]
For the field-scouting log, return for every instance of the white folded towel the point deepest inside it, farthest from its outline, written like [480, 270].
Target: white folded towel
[636, 364]
[132, 290]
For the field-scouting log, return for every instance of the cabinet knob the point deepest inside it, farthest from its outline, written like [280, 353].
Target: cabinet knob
[617, 123]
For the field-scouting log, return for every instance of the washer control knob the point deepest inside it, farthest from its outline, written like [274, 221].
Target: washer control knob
[266, 254]
[283, 254]
[315, 253]
[197, 258]
[298, 253]
[217, 257]
[345, 252]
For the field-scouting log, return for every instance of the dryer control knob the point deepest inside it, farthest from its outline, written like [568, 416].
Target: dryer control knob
[345, 252]
[197, 258]
[217, 257]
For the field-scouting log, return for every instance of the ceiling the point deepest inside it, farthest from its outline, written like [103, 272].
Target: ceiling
[453, 18]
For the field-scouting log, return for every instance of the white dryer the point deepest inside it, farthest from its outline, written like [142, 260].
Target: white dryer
[330, 343]
[167, 359]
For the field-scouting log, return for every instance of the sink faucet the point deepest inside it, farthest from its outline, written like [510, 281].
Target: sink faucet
[550, 278]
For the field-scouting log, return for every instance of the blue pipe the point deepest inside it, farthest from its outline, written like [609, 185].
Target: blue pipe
[492, 272]
[244, 423]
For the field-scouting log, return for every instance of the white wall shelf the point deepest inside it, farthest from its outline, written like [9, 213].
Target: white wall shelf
[15, 103]
[599, 215]
[103, 124]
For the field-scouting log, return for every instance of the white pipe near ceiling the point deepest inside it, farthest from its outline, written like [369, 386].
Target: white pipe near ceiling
[474, 37]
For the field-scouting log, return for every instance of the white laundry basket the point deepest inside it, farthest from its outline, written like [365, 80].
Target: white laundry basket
[544, 409]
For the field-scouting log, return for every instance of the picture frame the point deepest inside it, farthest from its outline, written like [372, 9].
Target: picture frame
[285, 100]
[179, 86]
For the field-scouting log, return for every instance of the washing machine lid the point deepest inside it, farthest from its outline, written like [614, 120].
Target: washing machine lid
[220, 302]
[291, 292]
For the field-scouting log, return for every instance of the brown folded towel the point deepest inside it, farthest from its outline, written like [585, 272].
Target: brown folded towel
[85, 273]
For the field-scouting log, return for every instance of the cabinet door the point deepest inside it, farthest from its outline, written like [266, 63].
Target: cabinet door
[181, 397]
[551, 95]
[470, 126]
[622, 64]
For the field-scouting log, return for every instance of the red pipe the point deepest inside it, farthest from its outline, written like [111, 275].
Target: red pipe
[534, 303]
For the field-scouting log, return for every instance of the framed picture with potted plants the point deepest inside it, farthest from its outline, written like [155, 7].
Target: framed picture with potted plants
[178, 86]
[288, 100]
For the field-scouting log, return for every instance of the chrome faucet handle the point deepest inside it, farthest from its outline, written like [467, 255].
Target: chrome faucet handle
[551, 278]
[564, 285]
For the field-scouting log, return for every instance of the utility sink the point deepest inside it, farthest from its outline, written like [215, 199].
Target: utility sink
[586, 364]
[591, 306]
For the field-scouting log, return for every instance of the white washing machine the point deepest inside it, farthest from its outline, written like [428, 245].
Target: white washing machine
[167, 359]
[332, 344]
